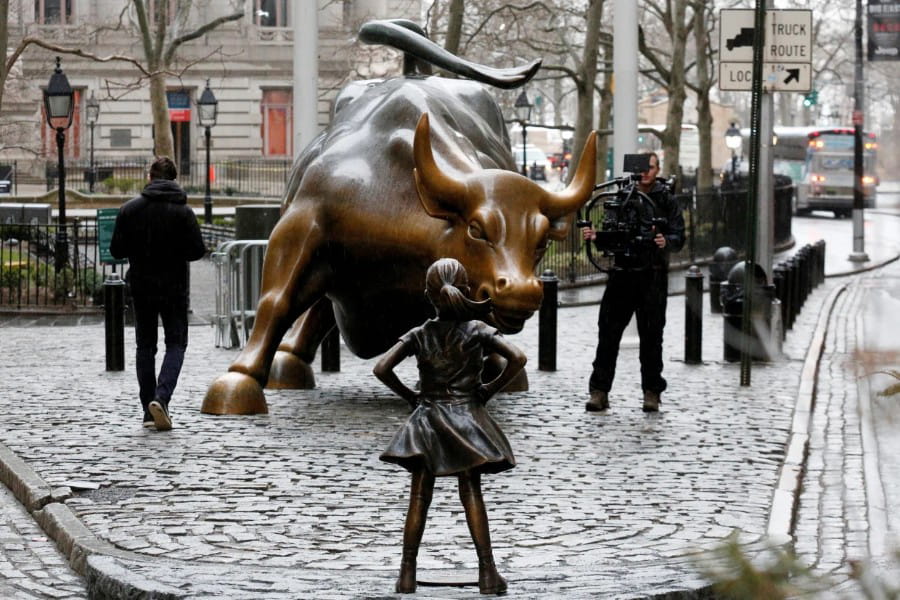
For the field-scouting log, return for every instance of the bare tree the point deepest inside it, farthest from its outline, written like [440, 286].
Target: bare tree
[160, 45]
[668, 61]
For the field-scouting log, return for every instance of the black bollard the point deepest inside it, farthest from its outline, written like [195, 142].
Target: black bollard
[794, 263]
[114, 322]
[780, 280]
[820, 246]
[331, 351]
[693, 316]
[724, 259]
[547, 320]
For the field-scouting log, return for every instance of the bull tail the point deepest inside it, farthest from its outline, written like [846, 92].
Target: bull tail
[420, 52]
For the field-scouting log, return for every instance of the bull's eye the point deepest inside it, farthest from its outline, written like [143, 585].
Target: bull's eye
[476, 232]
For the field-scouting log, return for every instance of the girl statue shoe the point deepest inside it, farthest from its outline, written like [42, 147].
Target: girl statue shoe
[450, 431]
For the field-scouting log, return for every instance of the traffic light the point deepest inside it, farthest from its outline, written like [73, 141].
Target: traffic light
[811, 99]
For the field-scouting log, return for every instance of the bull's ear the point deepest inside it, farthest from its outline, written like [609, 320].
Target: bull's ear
[441, 195]
[559, 228]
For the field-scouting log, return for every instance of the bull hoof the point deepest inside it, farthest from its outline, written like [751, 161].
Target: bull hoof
[288, 372]
[234, 394]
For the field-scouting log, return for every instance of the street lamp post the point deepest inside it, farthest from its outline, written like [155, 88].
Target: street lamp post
[207, 109]
[733, 141]
[523, 112]
[92, 112]
[58, 104]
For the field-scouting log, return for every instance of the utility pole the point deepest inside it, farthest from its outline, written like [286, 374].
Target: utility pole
[625, 70]
[306, 74]
[859, 240]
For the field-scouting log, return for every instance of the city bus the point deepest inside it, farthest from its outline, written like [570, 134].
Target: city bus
[820, 161]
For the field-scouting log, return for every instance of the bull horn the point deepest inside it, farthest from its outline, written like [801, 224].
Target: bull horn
[569, 200]
[440, 194]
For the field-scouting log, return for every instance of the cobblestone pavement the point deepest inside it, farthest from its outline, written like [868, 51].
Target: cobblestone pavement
[297, 498]
[295, 503]
[848, 508]
[30, 564]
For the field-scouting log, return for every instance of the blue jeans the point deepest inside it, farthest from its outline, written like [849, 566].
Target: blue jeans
[148, 309]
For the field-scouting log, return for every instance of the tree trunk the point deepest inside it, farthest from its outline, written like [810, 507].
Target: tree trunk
[585, 85]
[162, 128]
[454, 26]
[604, 121]
[4, 43]
[675, 112]
[704, 112]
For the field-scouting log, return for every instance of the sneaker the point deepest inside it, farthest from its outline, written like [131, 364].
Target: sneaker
[148, 420]
[651, 401]
[599, 401]
[160, 415]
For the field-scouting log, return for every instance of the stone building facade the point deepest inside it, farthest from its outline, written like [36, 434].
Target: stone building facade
[248, 63]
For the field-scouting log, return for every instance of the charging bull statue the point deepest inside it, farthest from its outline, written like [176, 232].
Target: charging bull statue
[410, 170]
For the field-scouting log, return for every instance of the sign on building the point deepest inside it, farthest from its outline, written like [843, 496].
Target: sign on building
[884, 30]
[787, 52]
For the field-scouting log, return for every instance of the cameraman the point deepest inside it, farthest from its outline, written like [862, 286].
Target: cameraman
[638, 284]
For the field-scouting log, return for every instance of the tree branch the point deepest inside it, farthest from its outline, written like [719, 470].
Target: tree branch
[30, 40]
[170, 52]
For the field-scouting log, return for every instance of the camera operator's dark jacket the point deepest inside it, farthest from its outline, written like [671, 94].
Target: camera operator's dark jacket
[648, 255]
[158, 233]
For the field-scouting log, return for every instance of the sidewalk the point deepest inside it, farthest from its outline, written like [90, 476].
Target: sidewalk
[296, 504]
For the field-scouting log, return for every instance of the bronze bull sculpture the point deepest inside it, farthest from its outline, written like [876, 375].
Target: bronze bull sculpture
[410, 170]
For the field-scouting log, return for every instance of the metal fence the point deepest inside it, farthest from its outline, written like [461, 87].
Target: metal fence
[29, 277]
[712, 220]
[233, 177]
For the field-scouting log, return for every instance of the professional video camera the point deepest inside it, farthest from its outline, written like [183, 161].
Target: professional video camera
[629, 222]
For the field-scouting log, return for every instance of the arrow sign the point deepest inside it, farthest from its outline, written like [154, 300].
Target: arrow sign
[793, 75]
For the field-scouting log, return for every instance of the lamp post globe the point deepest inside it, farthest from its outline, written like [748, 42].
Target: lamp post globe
[92, 113]
[733, 141]
[59, 105]
[207, 110]
[523, 115]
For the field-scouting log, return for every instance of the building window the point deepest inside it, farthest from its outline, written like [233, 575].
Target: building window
[53, 12]
[277, 123]
[120, 138]
[271, 13]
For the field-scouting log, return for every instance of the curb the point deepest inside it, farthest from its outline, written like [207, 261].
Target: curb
[787, 493]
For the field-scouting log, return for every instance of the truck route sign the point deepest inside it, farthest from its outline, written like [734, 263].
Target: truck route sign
[787, 50]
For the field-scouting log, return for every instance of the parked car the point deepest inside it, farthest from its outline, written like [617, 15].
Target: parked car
[537, 164]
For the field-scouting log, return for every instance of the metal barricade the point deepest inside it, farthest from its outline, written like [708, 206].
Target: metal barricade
[238, 265]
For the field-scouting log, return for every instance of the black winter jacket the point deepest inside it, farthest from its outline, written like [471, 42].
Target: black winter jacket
[158, 233]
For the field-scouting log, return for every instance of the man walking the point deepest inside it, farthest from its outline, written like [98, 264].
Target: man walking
[158, 233]
[638, 285]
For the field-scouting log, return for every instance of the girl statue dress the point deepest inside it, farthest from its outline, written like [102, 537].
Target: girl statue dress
[450, 431]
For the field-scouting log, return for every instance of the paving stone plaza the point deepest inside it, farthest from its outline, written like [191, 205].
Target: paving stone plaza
[296, 504]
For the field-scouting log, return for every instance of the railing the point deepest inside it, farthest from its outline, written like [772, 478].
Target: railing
[235, 177]
[712, 220]
[28, 273]
[28, 277]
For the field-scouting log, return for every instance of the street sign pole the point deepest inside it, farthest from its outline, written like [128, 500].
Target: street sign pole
[765, 203]
[759, 43]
